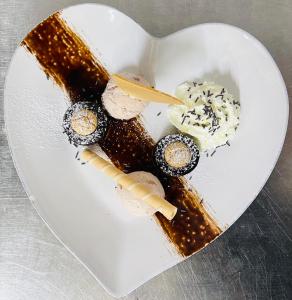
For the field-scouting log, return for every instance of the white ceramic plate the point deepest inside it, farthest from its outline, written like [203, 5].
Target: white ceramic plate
[66, 194]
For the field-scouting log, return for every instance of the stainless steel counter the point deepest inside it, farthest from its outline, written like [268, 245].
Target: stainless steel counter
[252, 260]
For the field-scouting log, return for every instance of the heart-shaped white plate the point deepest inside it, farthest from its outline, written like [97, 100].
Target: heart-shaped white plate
[123, 252]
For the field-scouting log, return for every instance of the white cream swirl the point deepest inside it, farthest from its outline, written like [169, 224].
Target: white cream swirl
[210, 113]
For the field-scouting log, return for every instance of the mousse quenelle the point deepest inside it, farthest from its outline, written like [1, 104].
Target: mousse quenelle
[121, 105]
[135, 205]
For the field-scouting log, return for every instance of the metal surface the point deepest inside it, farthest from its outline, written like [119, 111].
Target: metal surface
[252, 260]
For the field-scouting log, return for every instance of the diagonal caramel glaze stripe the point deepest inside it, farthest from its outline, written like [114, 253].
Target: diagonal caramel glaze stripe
[66, 59]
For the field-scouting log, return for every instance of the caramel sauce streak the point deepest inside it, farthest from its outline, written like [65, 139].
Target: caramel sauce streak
[66, 59]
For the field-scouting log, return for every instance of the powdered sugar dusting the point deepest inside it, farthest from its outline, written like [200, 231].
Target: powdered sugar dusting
[42, 116]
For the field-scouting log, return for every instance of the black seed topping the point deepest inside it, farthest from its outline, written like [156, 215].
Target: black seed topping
[219, 95]
[193, 112]
[209, 94]
[184, 118]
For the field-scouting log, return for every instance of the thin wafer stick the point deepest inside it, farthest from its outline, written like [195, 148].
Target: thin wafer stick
[144, 93]
[137, 189]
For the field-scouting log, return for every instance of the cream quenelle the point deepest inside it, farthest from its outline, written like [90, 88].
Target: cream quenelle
[210, 113]
[137, 206]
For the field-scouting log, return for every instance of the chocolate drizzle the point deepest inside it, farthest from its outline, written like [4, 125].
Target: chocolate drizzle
[66, 59]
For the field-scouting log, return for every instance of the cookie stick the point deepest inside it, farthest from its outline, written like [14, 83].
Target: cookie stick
[138, 189]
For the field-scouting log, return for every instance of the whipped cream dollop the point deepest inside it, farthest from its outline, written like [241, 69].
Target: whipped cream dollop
[210, 113]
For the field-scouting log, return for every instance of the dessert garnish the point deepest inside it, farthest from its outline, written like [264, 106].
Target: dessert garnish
[136, 188]
[84, 123]
[210, 114]
[176, 154]
[138, 90]
[120, 104]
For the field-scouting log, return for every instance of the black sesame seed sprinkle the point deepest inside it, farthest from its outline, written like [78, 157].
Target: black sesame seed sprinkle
[219, 95]
[220, 146]
[183, 120]
[209, 94]
[193, 112]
